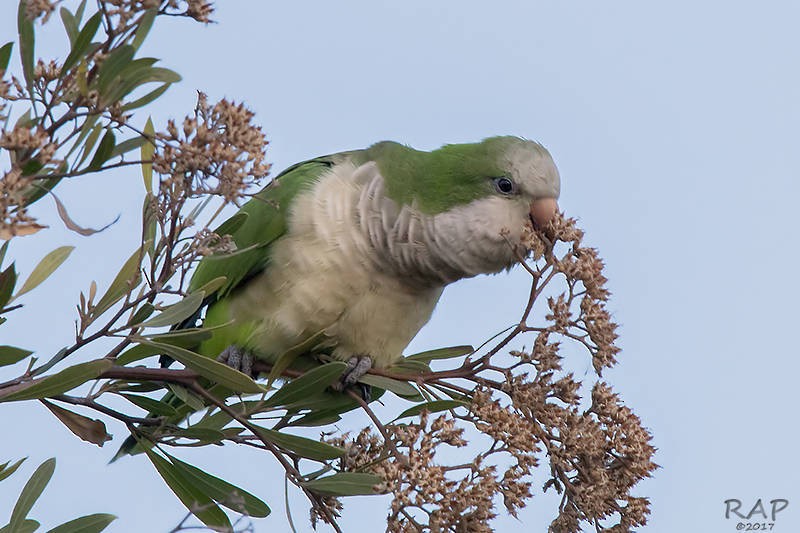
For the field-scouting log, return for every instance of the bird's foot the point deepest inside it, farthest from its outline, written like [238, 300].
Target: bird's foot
[356, 368]
[238, 359]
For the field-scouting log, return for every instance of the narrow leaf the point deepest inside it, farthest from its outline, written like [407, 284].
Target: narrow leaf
[433, 407]
[141, 314]
[223, 492]
[90, 430]
[8, 279]
[3, 250]
[195, 500]
[401, 388]
[70, 25]
[113, 65]
[308, 384]
[148, 149]
[345, 484]
[46, 266]
[177, 312]
[93, 523]
[147, 98]
[302, 446]
[442, 353]
[59, 383]
[128, 145]
[210, 368]
[26, 44]
[73, 226]
[6, 470]
[150, 405]
[11, 354]
[82, 41]
[145, 23]
[27, 526]
[5, 56]
[30, 493]
[104, 150]
[127, 278]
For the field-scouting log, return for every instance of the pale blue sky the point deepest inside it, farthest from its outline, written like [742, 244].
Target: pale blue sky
[675, 127]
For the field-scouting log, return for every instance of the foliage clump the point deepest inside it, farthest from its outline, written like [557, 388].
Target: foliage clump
[519, 416]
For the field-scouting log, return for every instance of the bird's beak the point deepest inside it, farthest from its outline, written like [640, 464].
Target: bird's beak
[543, 210]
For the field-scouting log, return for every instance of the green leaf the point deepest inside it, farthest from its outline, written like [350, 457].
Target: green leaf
[411, 368]
[202, 435]
[287, 358]
[177, 312]
[209, 368]
[5, 56]
[128, 145]
[79, 11]
[70, 25]
[150, 405]
[88, 429]
[194, 402]
[3, 250]
[308, 384]
[127, 278]
[8, 279]
[433, 407]
[6, 471]
[148, 149]
[226, 494]
[113, 65]
[104, 150]
[442, 353]
[136, 353]
[46, 266]
[88, 146]
[30, 493]
[345, 484]
[141, 314]
[82, 41]
[195, 500]
[318, 418]
[59, 383]
[149, 224]
[163, 75]
[147, 98]
[145, 23]
[93, 523]
[401, 388]
[26, 44]
[302, 446]
[27, 526]
[230, 226]
[10, 355]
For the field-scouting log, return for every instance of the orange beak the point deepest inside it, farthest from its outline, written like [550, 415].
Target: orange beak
[543, 210]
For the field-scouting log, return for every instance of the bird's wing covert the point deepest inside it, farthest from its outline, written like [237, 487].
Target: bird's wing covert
[267, 214]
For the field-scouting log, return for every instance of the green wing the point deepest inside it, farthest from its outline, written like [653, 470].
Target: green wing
[266, 221]
[267, 213]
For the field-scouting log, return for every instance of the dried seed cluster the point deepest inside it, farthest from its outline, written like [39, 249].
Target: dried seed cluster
[216, 151]
[596, 449]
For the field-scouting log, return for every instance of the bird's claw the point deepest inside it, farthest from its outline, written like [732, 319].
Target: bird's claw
[238, 359]
[356, 368]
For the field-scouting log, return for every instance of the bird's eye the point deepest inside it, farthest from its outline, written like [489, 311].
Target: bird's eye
[505, 185]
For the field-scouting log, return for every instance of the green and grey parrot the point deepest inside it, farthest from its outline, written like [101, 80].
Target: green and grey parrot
[348, 254]
[352, 251]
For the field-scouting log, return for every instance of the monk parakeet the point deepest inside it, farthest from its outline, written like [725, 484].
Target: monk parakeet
[350, 252]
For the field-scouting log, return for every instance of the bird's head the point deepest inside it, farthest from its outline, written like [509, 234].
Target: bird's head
[473, 199]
